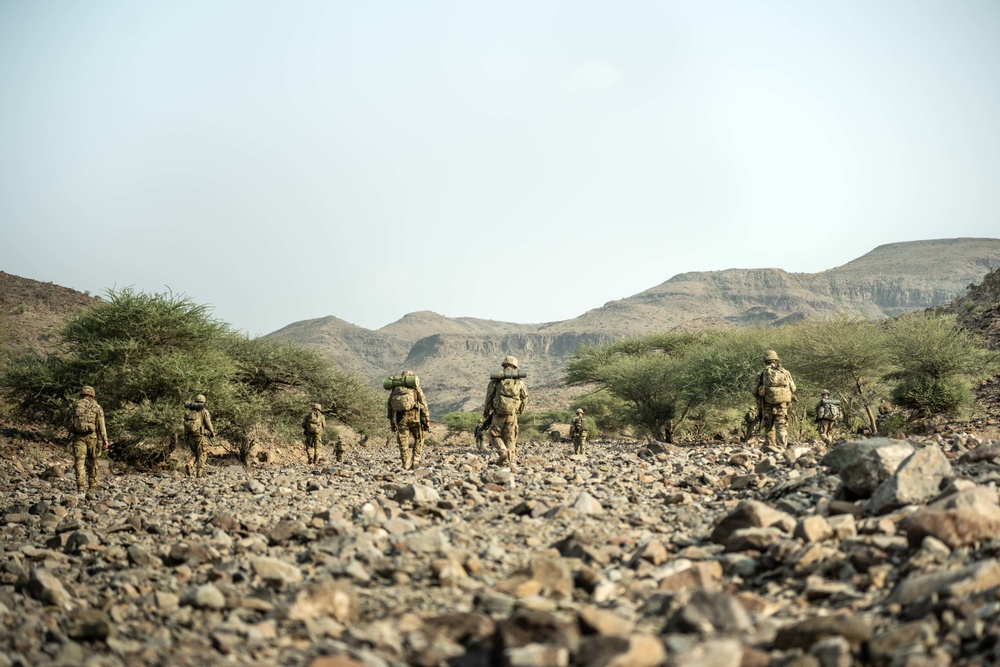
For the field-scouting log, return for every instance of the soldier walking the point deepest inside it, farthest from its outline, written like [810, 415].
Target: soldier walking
[197, 430]
[774, 391]
[578, 431]
[312, 431]
[408, 417]
[506, 398]
[827, 413]
[86, 426]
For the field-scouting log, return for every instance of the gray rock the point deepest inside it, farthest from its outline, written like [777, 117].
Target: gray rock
[46, 587]
[206, 596]
[917, 480]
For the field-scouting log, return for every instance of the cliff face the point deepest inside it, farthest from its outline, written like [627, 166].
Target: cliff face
[454, 356]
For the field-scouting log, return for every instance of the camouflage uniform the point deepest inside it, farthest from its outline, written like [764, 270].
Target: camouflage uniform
[774, 414]
[503, 429]
[197, 430]
[410, 423]
[339, 449]
[824, 424]
[84, 440]
[312, 431]
[578, 431]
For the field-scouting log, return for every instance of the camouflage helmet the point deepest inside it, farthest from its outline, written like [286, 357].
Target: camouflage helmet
[408, 373]
[87, 391]
[824, 391]
[200, 398]
[770, 355]
[317, 406]
[509, 361]
[579, 411]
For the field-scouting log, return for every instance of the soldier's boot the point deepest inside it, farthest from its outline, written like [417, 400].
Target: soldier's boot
[407, 458]
[782, 438]
[503, 456]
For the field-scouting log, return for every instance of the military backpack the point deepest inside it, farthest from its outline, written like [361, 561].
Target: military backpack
[312, 423]
[829, 408]
[777, 388]
[83, 418]
[507, 400]
[402, 399]
[194, 422]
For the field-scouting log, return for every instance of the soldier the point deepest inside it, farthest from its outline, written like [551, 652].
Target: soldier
[750, 420]
[409, 417]
[774, 391]
[197, 430]
[479, 432]
[86, 426]
[827, 413]
[312, 431]
[339, 449]
[578, 431]
[506, 398]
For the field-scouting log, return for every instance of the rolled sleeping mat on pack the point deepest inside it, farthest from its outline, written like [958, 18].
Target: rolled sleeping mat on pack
[410, 381]
[508, 373]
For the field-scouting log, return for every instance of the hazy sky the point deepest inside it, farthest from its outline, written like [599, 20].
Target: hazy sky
[518, 161]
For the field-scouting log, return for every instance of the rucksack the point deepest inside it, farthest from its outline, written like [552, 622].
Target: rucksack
[829, 408]
[507, 400]
[83, 417]
[776, 387]
[194, 424]
[312, 423]
[402, 399]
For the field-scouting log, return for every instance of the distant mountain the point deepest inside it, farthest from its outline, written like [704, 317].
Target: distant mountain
[454, 356]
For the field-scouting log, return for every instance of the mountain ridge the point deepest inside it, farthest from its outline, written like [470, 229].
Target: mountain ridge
[454, 356]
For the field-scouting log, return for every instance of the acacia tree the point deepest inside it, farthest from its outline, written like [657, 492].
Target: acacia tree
[851, 357]
[936, 360]
[643, 373]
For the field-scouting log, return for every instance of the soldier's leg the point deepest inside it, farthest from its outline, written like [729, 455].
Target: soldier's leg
[583, 444]
[781, 421]
[200, 456]
[92, 461]
[767, 424]
[80, 462]
[193, 455]
[403, 439]
[497, 441]
[418, 443]
[510, 433]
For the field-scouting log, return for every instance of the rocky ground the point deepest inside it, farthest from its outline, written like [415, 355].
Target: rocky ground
[874, 552]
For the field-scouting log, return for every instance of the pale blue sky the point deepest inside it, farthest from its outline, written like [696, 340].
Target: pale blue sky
[519, 161]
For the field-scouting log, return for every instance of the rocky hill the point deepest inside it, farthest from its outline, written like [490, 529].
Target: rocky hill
[453, 356]
[32, 312]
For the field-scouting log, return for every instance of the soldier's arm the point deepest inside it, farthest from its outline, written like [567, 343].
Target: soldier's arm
[524, 399]
[208, 423]
[101, 429]
[791, 382]
[422, 402]
[389, 412]
[491, 390]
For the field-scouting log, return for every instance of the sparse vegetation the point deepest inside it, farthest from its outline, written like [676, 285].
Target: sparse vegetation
[699, 383]
[146, 354]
